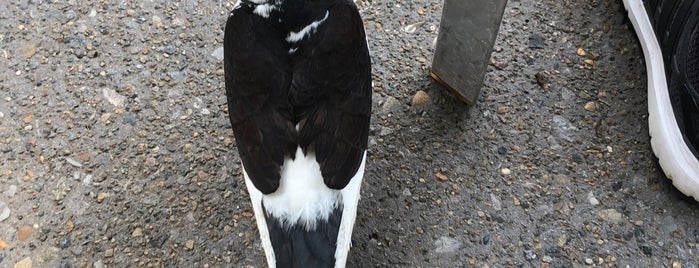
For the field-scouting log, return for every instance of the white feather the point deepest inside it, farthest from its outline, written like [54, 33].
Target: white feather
[256, 199]
[263, 10]
[350, 199]
[306, 201]
[308, 30]
[302, 197]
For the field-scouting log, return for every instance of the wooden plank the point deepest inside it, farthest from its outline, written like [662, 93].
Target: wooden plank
[466, 38]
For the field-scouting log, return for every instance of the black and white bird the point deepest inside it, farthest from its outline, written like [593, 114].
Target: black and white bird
[298, 85]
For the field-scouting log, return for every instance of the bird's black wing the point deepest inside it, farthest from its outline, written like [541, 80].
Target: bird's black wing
[331, 94]
[258, 76]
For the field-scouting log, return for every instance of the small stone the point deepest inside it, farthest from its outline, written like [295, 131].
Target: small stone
[420, 98]
[113, 97]
[611, 215]
[101, 197]
[441, 177]
[406, 192]
[589, 261]
[497, 204]
[28, 118]
[28, 51]
[4, 211]
[104, 118]
[516, 201]
[505, 171]
[562, 240]
[669, 224]
[446, 245]
[676, 264]
[70, 226]
[547, 259]
[24, 232]
[591, 106]
[581, 52]
[189, 245]
[109, 253]
[137, 232]
[218, 54]
[227, 142]
[73, 162]
[65, 242]
[589, 62]
[98, 264]
[592, 199]
[536, 41]
[24, 263]
[247, 214]
[3, 245]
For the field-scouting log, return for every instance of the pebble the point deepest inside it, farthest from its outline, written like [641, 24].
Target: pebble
[536, 41]
[446, 244]
[101, 196]
[28, 51]
[4, 211]
[137, 232]
[591, 106]
[420, 98]
[113, 97]
[441, 177]
[24, 232]
[516, 201]
[3, 245]
[65, 242]
[189, 245]
[505, 171]
[581, 52]
[547, 259]
[497, 204]
[218, 54]
[592, 199]
[109, 253]
[611, 215]
[98, 264]
[669, 225]
[73, 162]
[410, 28]
[24, 263]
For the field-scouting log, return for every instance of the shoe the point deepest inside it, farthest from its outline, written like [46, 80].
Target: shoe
[668, 31]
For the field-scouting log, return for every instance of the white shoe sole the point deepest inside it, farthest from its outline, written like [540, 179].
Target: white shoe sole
[676, 159]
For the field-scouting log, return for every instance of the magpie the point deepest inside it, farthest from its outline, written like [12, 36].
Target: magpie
[298, 88]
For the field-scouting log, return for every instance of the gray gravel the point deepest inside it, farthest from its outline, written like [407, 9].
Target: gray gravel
[116, 149]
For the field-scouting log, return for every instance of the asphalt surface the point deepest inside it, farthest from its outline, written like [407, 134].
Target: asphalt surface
[116, 149]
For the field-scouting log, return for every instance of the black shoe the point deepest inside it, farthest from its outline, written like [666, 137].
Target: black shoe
[669, 34]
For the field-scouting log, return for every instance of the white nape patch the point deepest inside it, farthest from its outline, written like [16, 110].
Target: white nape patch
[308, 30]
[350, 199]
[292, 51]
[256, 199]
[302, 197]
[237, 5]
[263, 10]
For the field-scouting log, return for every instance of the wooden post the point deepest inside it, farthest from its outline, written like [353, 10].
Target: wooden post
[467, 34]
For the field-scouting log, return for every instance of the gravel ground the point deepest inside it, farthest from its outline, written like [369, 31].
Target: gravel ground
[116, 149]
